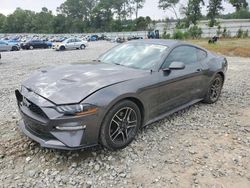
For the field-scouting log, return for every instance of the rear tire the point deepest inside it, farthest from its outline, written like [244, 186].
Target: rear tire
[14, 48]
[120, 125]
[82, 47]
[214, 91]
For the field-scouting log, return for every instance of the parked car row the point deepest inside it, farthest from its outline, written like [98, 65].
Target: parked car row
[70, 43]
[30, 42]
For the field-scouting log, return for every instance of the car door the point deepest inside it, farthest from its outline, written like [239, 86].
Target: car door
[70, 44]
[75, 43]
[34, 44]
[179, 87]
[78, 43]
[40, 44]
[4, 46]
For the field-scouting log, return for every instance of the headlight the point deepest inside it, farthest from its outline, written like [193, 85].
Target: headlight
[77, 109]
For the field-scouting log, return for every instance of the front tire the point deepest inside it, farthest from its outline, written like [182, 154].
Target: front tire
[62, 48]
[121, 125]
[214, 90]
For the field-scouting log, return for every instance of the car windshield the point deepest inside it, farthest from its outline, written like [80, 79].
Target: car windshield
[134, 55]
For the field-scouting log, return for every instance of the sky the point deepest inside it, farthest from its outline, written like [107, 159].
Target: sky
[150, 9]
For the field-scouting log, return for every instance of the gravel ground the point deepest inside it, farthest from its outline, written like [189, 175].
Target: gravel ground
[202, 146]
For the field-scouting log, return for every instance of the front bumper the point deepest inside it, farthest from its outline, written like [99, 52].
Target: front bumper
[59, 132]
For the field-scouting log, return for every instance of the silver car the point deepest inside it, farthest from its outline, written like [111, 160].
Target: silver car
[5, 46]
[70, 44]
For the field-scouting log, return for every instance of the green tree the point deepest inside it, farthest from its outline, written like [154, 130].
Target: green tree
[2, 22]
[169, 4]
[141, 24]
[239, 4]
[42, 21]
[59, 24]
[214, 8]
[102, 16]
[80, 9]
[20, 21]
[138, 5]
[193, 11]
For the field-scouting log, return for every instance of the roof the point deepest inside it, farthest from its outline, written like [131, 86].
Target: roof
[164, 42]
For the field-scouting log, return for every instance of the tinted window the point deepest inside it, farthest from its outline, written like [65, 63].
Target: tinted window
[201, 55]
[185, 54]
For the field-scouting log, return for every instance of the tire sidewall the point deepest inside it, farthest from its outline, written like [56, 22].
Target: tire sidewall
[62, 48]
[208, 95]
[104, 134]
[82, 47]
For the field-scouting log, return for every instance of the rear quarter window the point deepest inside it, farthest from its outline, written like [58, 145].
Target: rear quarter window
[201, 54]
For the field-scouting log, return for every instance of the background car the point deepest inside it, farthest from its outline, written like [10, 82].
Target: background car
[130, 86]
[70, 44]
[92, 38]
[49, 43]
[5, 46]
[32, 44]
[134, 38]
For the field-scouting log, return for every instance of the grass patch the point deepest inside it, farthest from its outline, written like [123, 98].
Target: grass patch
[229, 47]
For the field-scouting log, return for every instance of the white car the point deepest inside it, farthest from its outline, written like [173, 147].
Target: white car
[71, 43]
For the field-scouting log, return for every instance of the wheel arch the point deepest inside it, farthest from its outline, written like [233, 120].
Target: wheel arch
[222, 75]
[140, 106]
[134, 99]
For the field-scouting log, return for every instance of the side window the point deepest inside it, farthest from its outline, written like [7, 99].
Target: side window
[185, 54]
[201, 54]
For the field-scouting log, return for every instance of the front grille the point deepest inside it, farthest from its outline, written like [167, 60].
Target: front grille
[36, 109]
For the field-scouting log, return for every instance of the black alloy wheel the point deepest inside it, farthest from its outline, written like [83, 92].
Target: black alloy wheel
[120, 125]
[214, 91]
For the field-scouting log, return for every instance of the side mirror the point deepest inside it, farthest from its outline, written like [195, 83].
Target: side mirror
[176, 65]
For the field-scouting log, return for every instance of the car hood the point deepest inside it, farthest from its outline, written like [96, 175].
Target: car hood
[72, 83]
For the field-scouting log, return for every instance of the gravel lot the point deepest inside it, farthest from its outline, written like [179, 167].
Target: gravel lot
[202, 146]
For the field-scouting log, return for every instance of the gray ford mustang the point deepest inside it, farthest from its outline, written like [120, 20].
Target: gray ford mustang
[108, 100]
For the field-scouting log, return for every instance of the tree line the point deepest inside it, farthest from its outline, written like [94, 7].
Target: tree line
[75, 16]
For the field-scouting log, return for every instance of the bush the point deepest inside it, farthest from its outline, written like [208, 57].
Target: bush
[178, 34]
[166, 35]
[240, 33]
[225, 33]
[245, 34]
[218, 32]
[195, 32]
